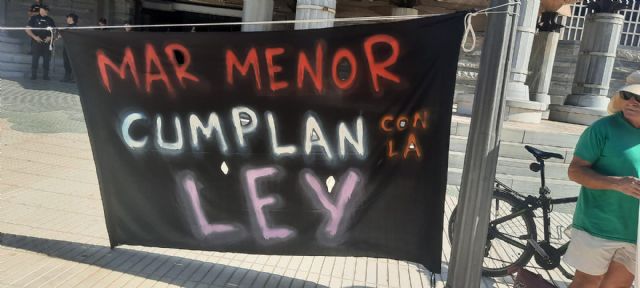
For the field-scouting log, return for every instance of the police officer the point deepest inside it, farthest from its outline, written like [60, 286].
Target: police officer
[33, 10]
[41, 41]
[72, 21]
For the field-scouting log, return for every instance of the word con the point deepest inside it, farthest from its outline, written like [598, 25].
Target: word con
[245, 123]
[391, 124]
[335, 208]
[377, 68]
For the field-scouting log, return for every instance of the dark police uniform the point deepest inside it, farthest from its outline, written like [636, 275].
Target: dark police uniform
[68, 75]
[40, 49]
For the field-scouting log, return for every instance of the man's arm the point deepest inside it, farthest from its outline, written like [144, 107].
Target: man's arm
[29, 32]
[580, 171]
[33, 36]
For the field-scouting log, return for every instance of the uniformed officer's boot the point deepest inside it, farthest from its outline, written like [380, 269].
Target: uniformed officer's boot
[33, 76]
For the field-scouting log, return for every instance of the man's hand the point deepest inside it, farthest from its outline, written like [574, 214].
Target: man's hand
[37, 39]
[47, 40]
[628, 185]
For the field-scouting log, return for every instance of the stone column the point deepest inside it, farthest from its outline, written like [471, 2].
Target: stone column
[543, 56]
[590, 90]
[257, 10]
[315, 9]
[518, 107]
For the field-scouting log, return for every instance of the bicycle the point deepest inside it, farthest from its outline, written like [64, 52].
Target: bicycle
[512, 236]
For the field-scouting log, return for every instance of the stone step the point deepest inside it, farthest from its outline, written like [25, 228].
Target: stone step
[11, 75]
[10, 47]
[525, 185]
[515, 150]
[9, 62]
[15, 58]
[8, 66]
[522, 136]
[4, 38]
[559, 100]
[516, 167]
[54, 75]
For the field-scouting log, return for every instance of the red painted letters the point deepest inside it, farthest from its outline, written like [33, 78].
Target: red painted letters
[303, 65]
[251, 60]
[269, 53]
[344, 54]
[379, 69]
[154, 70]
[180, 69]
[151, 57]
[127, 61]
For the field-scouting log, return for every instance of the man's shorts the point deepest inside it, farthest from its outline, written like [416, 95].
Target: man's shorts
[592, 255]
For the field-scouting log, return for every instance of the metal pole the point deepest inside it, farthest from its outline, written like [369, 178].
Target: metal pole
[483, 144]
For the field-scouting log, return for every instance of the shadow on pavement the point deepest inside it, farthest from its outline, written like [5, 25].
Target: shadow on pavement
[48, 85]
[41, 106]
[154, 266]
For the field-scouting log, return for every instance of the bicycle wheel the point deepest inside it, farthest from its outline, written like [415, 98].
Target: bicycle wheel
[506, 246]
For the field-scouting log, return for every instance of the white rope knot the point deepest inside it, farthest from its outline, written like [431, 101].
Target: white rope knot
[50, 29]
[468, 29]
[468, 26]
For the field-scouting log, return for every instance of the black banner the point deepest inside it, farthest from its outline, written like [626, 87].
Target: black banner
[314, 142]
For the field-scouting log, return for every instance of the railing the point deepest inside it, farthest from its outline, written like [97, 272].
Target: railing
[630, 31]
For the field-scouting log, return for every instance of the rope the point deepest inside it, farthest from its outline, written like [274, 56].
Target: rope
[350, 19]
[468, 26]
[50, 29]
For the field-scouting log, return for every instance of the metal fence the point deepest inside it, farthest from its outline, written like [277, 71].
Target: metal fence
[575, 23]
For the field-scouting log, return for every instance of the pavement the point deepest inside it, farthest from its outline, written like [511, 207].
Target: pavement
[52, 227]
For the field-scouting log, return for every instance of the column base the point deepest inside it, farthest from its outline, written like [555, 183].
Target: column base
[517, 91]
[524, 111]
[575, 114]
[587, 100]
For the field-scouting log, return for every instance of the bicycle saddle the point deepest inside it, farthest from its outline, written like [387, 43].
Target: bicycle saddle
[539, 154]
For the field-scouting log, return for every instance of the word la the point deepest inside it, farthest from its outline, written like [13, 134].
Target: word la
[390, 124]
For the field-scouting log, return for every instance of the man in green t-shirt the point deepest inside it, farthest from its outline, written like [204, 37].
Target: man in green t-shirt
[606, 163]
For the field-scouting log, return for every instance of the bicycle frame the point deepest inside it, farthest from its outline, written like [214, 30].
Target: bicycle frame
[530, 204]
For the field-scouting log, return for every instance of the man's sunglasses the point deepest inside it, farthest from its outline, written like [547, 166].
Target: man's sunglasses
[628, 95]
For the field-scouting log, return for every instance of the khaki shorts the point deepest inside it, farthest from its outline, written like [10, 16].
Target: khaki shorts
[592, 255]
